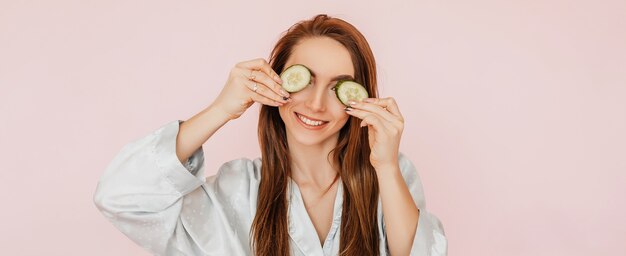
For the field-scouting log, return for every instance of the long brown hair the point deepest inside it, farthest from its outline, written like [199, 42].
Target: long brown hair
[359, 229]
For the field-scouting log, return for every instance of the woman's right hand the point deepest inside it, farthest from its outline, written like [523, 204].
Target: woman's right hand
[240, 91]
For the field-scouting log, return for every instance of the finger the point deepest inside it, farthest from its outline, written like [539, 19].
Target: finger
[262, 65]
[388, 103]
[265, 101]
[262, 90]
[389, 117]
[368, 117]
[376, 123]
[261, 77]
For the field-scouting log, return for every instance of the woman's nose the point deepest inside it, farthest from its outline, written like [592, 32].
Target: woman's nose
[316, 100]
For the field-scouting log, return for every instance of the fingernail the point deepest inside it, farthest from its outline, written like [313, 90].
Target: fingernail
[351, 102]
[347, 109]
[285, 98]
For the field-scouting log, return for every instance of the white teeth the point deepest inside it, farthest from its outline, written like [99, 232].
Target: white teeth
[309, 121]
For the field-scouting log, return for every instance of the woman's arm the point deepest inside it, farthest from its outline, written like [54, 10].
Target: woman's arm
[197, 130]
[141, 189]
[385, 125]
[410, 230]
[141, 192]
[429, 238]
[248, 82]
[401, 215]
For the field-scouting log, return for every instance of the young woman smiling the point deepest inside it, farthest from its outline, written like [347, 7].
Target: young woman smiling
[330, 179]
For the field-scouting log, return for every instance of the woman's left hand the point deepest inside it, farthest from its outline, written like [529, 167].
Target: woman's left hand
[385, 125]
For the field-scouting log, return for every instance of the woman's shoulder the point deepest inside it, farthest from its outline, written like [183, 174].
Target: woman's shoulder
[250, 168]
[237, 173]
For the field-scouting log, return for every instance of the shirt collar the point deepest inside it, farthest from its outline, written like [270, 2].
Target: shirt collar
[301, 229]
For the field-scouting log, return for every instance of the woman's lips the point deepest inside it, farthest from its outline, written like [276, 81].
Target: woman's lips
[310, 126]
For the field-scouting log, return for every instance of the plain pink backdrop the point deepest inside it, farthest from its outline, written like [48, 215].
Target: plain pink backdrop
[515, 111]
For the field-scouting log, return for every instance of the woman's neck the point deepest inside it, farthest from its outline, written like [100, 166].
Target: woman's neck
[311, 164]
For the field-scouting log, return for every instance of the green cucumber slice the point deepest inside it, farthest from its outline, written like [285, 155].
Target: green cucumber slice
[347, 90]
[295, 78]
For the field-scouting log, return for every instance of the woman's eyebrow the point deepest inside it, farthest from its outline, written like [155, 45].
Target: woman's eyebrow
[336, 78]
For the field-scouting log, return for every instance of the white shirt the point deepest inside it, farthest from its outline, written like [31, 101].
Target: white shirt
[172, 209]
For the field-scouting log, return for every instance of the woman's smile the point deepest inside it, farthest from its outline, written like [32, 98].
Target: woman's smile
[309, 122]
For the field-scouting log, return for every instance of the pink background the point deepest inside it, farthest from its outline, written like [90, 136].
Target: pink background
[515, 112]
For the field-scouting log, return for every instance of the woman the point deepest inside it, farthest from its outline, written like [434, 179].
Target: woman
[330, 180]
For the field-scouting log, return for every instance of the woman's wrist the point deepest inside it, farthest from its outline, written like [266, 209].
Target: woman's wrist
[385, 170]
[218, 114]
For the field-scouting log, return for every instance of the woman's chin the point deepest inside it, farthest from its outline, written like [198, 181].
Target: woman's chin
[310, 139]
[307, 140]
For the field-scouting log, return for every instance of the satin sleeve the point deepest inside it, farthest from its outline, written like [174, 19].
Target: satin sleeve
[171, 208]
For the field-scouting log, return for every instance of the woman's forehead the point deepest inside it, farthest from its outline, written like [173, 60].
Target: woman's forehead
[324, 56]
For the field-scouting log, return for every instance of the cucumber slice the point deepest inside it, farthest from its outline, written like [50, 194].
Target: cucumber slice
[295, 78]
[347, 90]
